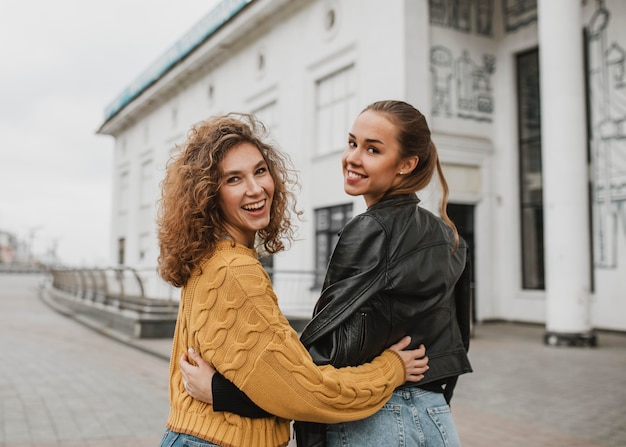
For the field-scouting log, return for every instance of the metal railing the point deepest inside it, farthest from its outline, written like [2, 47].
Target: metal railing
[126, 288]
[120, 287]
[19, 268]
[297, 291]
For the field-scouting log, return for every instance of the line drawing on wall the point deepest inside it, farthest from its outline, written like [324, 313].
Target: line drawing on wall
[477, 15]
[607, 109]
[441, 69]
[463, 15]
[461, 85]
[518, 13]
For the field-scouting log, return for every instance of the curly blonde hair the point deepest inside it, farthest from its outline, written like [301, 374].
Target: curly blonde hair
[190, 222]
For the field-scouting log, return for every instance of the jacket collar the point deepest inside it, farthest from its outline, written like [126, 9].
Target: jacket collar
[395, 200]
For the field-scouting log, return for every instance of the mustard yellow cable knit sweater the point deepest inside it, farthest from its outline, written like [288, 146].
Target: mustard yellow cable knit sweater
[229, 314]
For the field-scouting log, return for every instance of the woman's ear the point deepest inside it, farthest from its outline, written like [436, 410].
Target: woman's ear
[409, 164]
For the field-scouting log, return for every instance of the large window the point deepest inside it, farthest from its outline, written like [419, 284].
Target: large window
[328, 222]
[146, 192]
[124, 185]
[531, 184]
[267, 114]
[335, 109]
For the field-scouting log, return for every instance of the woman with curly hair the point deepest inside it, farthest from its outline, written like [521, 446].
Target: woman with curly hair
[225, 198]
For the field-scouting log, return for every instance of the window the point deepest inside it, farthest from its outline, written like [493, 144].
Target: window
[267, 261]
[174, 117]
[267, 114]
[328, 222]
[121, 250]
[146, 194]
[123, 191]
[144, 246]
[335, 109]
[531, 185]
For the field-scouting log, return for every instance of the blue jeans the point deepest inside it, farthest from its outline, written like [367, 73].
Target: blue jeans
[173, 439]
[412, 417]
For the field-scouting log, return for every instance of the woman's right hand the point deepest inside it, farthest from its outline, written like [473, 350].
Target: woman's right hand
[197, 376]
[415, 361]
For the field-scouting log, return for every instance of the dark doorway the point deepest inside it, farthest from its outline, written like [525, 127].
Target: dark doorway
[463, 218]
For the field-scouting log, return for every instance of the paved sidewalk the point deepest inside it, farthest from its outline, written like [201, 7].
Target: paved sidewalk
[64, 384]
[523, 393]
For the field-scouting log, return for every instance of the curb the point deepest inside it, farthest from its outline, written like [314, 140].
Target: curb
[102, 328]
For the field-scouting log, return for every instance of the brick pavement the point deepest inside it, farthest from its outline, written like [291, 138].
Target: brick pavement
[525, 393]
[63, 384]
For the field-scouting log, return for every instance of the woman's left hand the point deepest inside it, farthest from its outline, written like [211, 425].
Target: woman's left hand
[197, 379]
[415, 360]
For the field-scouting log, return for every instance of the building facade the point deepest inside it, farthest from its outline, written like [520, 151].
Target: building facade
[524, 101]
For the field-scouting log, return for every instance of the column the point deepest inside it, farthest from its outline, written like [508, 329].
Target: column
[565, 174]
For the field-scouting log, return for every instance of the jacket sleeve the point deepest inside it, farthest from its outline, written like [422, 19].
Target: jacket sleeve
[227, 397]
[356, 273]
[463, 302]
[251, 343]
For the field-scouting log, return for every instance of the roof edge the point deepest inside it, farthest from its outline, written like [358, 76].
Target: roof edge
[207, 26]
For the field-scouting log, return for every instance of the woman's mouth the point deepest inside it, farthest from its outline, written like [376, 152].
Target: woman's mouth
[256, 206]
[354, 175]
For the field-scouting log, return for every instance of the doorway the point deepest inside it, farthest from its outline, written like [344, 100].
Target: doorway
[463, 217]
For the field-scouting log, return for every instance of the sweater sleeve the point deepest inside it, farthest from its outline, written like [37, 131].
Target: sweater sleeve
[248, 340]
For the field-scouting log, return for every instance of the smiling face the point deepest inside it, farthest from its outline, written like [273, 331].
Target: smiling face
[246, 193]
[371, 162]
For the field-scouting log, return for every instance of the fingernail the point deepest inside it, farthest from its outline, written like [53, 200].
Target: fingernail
[190, 350]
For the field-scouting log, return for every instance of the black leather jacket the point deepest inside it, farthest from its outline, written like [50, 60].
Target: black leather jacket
[395, 272]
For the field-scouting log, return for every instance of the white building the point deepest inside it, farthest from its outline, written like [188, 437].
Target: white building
[538, 180]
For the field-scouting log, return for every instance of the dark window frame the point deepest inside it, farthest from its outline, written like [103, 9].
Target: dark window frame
[530, 170]
[328, 223]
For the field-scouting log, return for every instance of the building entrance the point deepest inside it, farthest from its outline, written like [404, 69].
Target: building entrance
[463, 217]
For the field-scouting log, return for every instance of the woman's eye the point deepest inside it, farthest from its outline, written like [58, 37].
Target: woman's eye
[351, 143]
[372, 150]
[232, 179]
[261, 170]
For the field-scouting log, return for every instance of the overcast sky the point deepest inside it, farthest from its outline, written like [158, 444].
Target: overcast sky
[62, 63]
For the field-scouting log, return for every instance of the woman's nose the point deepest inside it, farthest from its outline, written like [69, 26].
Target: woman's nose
[352, 157]
[254, 187]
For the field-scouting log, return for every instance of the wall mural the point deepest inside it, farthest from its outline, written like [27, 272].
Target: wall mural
[607, 94]
[462, 89]
[460, 86]
[477, 15]
[458, 14]
[518, 13]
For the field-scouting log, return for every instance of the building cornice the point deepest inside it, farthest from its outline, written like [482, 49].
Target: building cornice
[203, 47]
